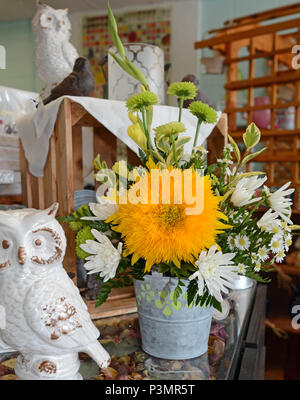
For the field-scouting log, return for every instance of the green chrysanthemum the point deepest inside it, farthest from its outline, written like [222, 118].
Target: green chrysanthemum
[185, 90]
[82, 236]
[75, 225]
[141, 100]
[203, 112]
[172, 128]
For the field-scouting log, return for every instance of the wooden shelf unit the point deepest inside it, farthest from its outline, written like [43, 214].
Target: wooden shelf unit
[270, 43]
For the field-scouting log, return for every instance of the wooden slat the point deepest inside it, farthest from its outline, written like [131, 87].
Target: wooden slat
[263, 107]
[263, 54]
[217, 139]
[50, 177]
[285, 77]
[105, 144]
[231, 98]
[248, 33]
[77, 157]
[65, 183]
[25, 179]
[121, 301]
[267, 14]
[268, 132]
[11, 199]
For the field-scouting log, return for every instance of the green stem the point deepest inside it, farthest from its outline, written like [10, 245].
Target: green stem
[174, 150]
[197, 132]
[145, 128]
[251, 212]
[180, 108]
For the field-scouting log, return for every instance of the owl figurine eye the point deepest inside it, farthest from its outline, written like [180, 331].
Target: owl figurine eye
[5, 252]
[46, 21]
[46, 246]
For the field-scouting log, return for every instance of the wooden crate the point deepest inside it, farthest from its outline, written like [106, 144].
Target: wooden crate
[63, 175]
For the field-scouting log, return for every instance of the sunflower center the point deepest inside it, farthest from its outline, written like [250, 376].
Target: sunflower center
[171, 215]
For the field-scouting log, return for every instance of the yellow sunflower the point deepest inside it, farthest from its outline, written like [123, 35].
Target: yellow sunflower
[162, 233]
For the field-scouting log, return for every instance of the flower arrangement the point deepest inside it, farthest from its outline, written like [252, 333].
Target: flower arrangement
[205, 231]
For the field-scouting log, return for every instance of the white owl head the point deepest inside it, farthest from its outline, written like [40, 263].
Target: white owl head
[50, 19]
[31, 240]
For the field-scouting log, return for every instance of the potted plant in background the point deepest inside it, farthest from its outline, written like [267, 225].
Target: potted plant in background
[186, 248]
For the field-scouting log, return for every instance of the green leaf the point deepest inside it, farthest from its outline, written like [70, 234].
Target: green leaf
[257, 277]
[137, 74]
[251, 156]
[236, 149]
[122, 64]
[252, 136]
[113, 30]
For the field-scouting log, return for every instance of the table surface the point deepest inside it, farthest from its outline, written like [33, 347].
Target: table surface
[121, 338]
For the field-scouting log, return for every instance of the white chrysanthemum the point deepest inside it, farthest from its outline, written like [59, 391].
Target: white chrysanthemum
[102, 210]
[231, 242]
[268, 220]
[276, 244]
[216, 271]
[242, 242]
[105, 257]
[241, 268]
[257, 266]
[245, 189]
[280, 202]
[280, 256]
[263, 253]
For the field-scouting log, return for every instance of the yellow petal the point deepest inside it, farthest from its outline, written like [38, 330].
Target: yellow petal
[134, 258]
[135, 132]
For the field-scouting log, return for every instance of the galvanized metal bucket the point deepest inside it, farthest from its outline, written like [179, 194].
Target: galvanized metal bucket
[168, 330]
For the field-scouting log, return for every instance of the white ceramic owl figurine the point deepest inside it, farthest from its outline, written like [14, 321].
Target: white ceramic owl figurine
[54, 54]
[46, 318]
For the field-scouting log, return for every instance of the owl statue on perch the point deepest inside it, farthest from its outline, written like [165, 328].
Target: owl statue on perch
[46, 319]
[54, 54]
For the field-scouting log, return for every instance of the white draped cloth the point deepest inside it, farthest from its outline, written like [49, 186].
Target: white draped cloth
[36, 127]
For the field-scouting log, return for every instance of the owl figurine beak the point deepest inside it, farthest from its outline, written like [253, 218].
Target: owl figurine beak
[21, 255]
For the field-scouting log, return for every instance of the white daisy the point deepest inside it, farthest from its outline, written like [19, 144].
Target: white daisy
[254, 257]
[105, 257]
[263, 253]
[241, 268]
[257, 266]
[280, 256]
[229, 147]
[288, 241]
[224, 161]
[245, 190]
[231, 242]
[276, 244]
[230, 172]
[242, 242]
[216, 271]
[279, 202]
[285, 226]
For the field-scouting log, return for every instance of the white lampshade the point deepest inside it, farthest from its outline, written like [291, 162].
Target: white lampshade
[149, 59]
